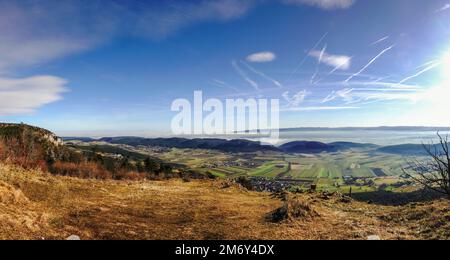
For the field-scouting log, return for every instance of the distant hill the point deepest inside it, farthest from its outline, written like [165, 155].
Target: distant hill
[83, 139]
[207, 143]
[350, 145]
[307, 147]
[380, 128]
[318, 147]
[224, 145]
[407, 149]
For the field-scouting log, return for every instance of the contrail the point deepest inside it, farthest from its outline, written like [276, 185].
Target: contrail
[432, 66]
[427, 63]
[322, 53]
[244, 75]
[380, 40]
[313, 77]
[274, 81]
[335, 69]
[306, 56]
[222, 84]
[381, 79]
[370, 63]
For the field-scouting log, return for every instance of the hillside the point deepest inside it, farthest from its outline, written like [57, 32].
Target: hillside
[29, 145]
[307, 147]
[246, 146]
[409, 149]
[319, 147]
[205, 143]
[20, 131]
[35, 205]
[32, 147]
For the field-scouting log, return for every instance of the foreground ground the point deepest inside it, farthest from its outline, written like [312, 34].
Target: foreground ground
[35, 205]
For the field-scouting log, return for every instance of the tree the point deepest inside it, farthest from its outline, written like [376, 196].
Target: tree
[126, 165]
[140, 167]
[433, 174]
[150, 165]
[166, 168]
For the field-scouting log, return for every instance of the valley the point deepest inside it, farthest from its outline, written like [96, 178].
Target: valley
[360, 167]
[94, 189]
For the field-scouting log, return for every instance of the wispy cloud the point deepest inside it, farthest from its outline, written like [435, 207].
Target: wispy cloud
[384, 84]
[244, 75]
[324, 4]
[24, 96]
[262, 57]
[34, 32]
[37, 32]
[300, 64]
[379, 41]
[317, 108]
[223, 84]
[296, 99]
[263, 75]
[360, 94]
[426, 69]
[338, 94]
[160, 20]
[444, 8]
[370, 63]
[338, 62]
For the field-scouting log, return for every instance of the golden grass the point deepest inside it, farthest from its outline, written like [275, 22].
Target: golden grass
[41, 206]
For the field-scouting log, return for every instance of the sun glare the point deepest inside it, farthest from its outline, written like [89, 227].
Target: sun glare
[438, 95]
[446, 65]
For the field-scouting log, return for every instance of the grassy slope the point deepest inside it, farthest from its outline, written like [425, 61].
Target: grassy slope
[34, 205]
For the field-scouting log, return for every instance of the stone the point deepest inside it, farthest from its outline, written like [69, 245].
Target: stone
[373, 238]
[73, 238]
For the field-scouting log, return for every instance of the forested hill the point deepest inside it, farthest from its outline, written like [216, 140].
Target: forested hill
[208, 143]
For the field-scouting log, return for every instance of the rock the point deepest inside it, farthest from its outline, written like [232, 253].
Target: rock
[373, 238]
[73, 238]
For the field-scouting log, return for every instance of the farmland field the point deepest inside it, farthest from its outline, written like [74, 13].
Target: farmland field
[326, 170]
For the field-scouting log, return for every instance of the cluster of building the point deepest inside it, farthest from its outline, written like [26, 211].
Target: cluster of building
[275, 185]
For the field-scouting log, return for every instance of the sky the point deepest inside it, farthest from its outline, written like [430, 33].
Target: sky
[113, 67]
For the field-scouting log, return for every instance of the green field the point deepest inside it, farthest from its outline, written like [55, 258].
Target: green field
[271, 170]
[327, 170]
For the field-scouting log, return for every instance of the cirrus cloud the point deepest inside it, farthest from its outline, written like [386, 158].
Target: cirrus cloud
[262, 57]
[338, 62]
[34, 32]
[324, 4]
[24, 96]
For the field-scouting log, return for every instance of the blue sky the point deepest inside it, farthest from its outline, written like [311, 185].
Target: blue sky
[114, 67]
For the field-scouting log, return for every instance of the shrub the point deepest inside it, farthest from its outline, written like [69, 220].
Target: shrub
[293, 208]
[131, 176]
[245, 182]
[80, 170]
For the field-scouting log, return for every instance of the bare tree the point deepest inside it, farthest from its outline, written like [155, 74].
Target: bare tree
[433, 174]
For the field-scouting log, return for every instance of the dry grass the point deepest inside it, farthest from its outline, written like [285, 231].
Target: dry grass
[40, 206]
